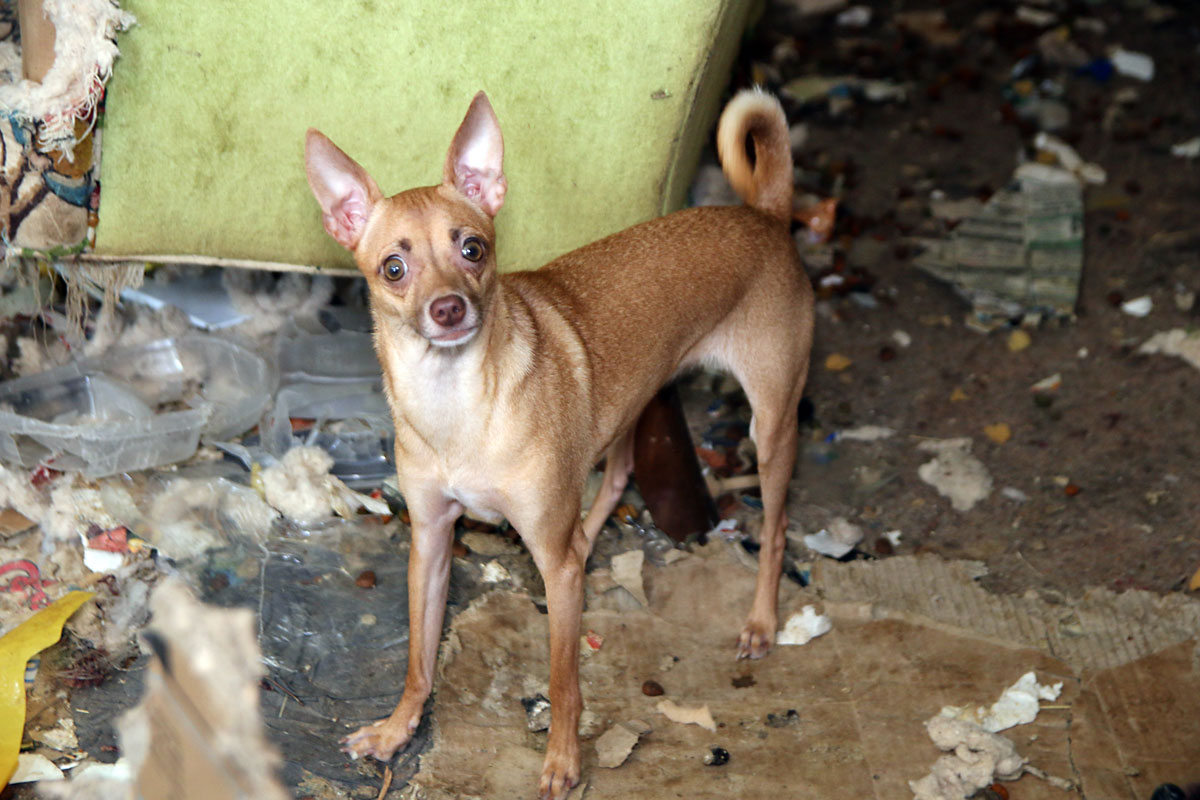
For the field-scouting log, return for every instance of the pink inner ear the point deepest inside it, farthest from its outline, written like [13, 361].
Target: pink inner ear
[346, 220]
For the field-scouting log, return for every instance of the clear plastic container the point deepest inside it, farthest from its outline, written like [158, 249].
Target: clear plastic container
[133, 408]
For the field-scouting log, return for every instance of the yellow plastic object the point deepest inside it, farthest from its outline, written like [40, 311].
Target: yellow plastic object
[16, 648]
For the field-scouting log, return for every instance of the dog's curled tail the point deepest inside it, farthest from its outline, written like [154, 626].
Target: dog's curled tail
[767, 183]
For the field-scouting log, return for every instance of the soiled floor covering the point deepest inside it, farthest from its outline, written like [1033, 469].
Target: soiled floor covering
[1124, 723]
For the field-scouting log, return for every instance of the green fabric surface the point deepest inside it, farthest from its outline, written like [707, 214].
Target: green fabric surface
[604, 107]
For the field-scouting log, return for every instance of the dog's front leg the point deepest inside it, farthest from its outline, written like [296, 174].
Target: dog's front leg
[561, 559]
[433, 519]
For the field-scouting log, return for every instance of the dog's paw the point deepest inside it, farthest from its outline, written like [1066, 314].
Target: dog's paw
[756, 640]
[380, 740]
[560, 770]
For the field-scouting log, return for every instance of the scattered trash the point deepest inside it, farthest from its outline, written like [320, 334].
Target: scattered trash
[17, 646]
[819, 219]
[593, 640]
[802, 628]
[199, 714]
[1194, 583]
[133, 409]
[836, 362]
[1014, 494]
[840, 92]
[979, 754]
[837, 540]
[1022, 254]
[817, 7]
[537, 713]
[978, 758]
[1132, 64]
[1067, 158]
[301, 488]
[627, 572]
[866, 433]
[615, 744]
[955, 473]
[686, 715]
[495, 572]
[1018, 704]
[932, 26]
[1138, 307]
[716, 757]
[901, 338]
[998, 433]
[1048, 385]
[1189, 149]
[855, 17]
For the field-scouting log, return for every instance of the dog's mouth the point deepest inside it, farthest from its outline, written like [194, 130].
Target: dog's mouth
[454, 338]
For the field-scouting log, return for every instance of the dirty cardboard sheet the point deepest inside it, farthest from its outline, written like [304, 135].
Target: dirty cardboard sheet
[909, 636]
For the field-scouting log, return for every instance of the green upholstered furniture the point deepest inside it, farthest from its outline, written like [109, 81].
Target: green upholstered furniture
[604, 107]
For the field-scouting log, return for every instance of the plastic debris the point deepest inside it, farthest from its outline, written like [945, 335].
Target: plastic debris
[866, 433]
[802, 628]
[1070, 160]
[1021, 254]
[837, 540]
[1176, 342]
[955, 473]
[1046, 385]
[1014, 494]
[32, 767]
[1189, 149]
[1138, 307]
[614, 745]
[687, 715]
[135, 408]
[855, 17]
[17, 646]
[1132, 64]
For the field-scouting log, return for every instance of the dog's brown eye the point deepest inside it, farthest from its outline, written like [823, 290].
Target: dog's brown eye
[472, 249]
[394, 268]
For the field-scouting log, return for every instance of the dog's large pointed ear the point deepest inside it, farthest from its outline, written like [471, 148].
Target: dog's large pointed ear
[474, 165]
[344, 190]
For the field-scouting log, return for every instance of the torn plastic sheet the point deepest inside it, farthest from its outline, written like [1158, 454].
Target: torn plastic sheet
[335, 653]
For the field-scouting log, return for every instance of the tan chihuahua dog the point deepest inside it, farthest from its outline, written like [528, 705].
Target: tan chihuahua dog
[507, 389]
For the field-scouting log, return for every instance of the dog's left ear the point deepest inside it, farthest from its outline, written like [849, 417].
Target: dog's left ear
[474, 165]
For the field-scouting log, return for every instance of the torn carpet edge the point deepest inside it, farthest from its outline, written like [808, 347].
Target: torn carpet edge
[1100, 630]
[84, 52]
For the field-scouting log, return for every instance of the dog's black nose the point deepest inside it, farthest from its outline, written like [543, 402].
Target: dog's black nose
[448, 310]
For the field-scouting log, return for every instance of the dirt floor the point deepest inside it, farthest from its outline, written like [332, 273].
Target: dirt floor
[1119, 433]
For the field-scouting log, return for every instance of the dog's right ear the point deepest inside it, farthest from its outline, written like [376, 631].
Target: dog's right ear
[344, 190]
[474, 165]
